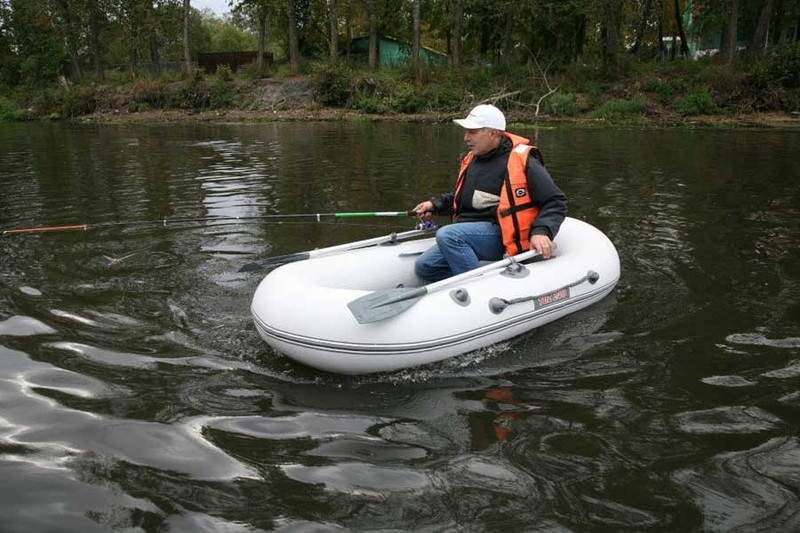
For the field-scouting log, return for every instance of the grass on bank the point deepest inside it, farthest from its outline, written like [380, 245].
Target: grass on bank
[635, 90]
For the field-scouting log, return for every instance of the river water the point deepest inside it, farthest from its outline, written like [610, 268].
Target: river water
[135, 393]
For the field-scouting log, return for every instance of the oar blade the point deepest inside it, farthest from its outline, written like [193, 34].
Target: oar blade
[380, 305]
[275, 261]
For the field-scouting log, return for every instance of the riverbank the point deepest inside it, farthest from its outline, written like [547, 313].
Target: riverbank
[764, 93]
[317, 113]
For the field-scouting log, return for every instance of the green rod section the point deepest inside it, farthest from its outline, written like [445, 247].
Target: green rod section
[373, 214]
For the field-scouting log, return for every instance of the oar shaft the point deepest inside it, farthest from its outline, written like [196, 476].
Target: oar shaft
[331, 250]
[439, 285]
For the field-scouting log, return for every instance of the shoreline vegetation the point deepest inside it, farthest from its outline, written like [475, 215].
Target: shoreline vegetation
[686, 93]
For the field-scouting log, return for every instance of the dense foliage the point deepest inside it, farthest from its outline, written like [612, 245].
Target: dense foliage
[608, 58]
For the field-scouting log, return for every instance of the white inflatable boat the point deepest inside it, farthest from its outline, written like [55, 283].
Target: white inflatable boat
[366, 311]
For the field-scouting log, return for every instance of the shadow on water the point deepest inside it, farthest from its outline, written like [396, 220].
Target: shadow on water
[136, 393]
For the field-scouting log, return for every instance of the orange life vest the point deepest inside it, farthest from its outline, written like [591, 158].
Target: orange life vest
[516, 211]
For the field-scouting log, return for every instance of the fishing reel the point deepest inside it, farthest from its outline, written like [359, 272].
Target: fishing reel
[425, 224]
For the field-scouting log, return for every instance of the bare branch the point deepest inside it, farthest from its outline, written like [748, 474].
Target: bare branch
[496, 98]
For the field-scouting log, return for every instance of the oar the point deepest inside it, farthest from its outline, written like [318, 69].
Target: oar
[165, 221]
[301, 256]
[383, 304]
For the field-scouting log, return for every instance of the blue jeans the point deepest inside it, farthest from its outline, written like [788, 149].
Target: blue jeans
[460, 248]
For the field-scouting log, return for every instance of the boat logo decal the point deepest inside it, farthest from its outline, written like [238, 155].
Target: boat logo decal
[551, 298]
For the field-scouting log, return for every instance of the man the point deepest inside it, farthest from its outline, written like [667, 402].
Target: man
[504, 201]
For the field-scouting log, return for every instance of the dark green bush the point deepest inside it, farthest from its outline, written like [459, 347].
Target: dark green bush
[221, 95]
[149, 91]
[79, 101]
[334, 83]
[444, 97]
[784, 66]
[9, 111]
[197, 75]
[251, 72]
[187, 95]
[370, 104]
[561, 105]
[791, 100]
[663, 89]
[698, 102]
[224, 73]
[404, 99]
[618, 108]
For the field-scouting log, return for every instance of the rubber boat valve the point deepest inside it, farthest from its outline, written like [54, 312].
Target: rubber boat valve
[460, 296]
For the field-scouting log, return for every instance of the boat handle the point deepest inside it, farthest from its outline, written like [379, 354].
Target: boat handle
[498, 305]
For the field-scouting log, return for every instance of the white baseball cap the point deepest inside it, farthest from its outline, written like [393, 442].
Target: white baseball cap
[483, 116]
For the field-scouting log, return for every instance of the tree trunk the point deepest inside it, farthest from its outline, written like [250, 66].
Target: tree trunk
[133, 50]
[334, 29]
[776, 34]
[373, 36]
[294, 46]
[642, 26]
[484, 46]
[187, 58]
[155, 58]
[152, 37]
[759, 42]
[348, 28]
[415, 41]
[94, 39]
[612, 23]
[580, 38]
[662, 54]
[69, 38]
[673, 51]
[508, 43]
[731, 19]
[262, 38]
[457, 33]
[679, 23]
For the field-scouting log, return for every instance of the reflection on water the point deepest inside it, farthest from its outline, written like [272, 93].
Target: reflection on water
[135, 392]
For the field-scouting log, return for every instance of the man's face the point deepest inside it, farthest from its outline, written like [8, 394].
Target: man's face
[481, 140]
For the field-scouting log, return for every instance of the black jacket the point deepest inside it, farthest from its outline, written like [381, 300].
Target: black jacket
[480, 193]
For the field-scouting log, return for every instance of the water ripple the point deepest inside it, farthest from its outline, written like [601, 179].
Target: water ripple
[754, 490]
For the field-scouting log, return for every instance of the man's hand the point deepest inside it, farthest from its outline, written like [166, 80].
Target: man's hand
[424, 210]
[543, 245]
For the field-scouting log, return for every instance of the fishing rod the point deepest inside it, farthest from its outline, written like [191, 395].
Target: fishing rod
[166, 221]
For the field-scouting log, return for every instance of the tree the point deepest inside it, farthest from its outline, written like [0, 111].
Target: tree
[679, 24]
[507, 42]
[459, 19]
[93, 13]
[729, 32]
[645, 20]
[151, 19]
[416, 32]
[294, 47]
[373, 36]
[759, 42]
[611, 30]
[333, 21]
[187, 58]
[259, 12]
[70, 37]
